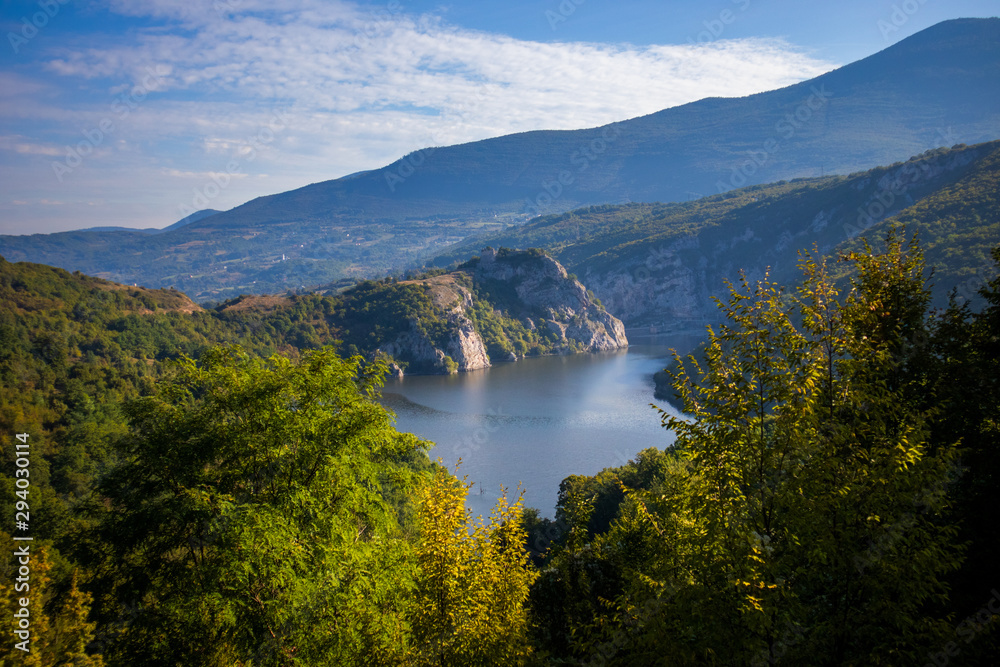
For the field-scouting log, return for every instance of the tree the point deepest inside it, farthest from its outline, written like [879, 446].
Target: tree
[967, 347]
[876, 484]
[809, 526]
[745, 442]
[248, 520]
[473, 581]
[58, 625]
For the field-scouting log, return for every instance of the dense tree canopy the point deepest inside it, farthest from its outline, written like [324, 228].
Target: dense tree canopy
[831, 498]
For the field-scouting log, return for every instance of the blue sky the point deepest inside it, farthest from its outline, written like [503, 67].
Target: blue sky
[135, 112]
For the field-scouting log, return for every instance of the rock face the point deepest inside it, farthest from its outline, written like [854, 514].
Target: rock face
[464, 350]
[542, 284]
[531, 294]
[669, 284]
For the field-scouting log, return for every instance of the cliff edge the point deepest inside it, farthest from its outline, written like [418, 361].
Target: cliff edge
[501, 306]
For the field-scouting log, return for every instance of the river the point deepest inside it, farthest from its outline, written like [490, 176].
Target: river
[538, 420]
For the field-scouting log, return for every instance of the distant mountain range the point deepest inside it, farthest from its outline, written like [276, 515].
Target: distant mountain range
[659, 265]
[937, 88]
[187, 220]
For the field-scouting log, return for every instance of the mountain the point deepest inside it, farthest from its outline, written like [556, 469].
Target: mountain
[938, 87]
[187, 220]
[659, 265]
[502, 306]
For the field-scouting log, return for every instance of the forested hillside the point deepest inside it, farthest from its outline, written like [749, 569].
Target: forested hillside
[660, 264]
[831, 498]
[932, 89]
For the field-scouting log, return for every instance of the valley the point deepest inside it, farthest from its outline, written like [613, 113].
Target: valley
[442, 412]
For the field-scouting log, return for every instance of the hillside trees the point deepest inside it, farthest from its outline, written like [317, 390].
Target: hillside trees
[249, 521]
[265, 512]
[804, 519]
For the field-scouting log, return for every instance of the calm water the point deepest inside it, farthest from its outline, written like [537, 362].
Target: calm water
[538, 420]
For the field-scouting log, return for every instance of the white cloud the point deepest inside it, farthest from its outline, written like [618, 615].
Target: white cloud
[360, 89]
[19, 145]
[330, 59]
[202, 175]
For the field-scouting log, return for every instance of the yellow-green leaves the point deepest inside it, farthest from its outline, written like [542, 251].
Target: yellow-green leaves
[473, 581]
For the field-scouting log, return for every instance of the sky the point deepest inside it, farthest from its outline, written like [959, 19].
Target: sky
[134, 113]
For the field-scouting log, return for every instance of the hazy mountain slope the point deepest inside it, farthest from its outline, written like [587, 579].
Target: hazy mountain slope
[876, 111]
[187, 220]
[660, 264]
[935, 88]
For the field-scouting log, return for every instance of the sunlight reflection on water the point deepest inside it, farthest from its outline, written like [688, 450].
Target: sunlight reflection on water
[538, 420]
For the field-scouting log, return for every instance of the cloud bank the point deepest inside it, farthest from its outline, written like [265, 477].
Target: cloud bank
[196, 86]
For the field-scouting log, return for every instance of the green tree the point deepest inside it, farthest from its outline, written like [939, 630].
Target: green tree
[809, 524]
[248, 521]
[745, 444]
[967, 390]
[58, 619]
[875, 487]
[470, 604]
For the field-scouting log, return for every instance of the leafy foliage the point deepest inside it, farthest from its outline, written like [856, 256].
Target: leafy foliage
[473, 581]
[248, 512]
[805, 515]
[831, 498]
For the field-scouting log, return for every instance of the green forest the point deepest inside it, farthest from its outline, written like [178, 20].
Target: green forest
[222, 487]
[948, 196]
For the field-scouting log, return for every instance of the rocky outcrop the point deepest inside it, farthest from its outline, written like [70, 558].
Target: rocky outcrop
[466, 346]
[533, 295]
[416, 350]
[464, 351]
[543, 286]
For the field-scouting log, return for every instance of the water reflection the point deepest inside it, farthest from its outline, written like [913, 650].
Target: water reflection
[538, 420]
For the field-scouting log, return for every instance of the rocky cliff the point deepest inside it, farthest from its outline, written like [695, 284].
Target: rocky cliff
[542, 284]
[463, 350]
[669, 282]
[502, 306]
[658, 265]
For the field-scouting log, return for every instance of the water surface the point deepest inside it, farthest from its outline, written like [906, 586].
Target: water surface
[539, 420]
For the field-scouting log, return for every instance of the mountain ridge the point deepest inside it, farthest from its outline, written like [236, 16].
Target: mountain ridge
[658, 264]
[938, 87]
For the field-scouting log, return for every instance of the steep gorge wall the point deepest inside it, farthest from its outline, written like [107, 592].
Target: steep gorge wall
[544, 300]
